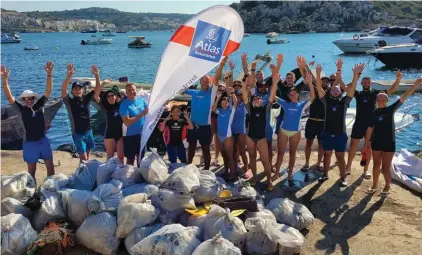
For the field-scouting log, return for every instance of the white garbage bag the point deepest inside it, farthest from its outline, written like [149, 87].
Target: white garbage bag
[128, 175]
[264, 237]
[198, 221]
[290, 213]
[219, 220]
[153, 168]
[170, 200]
[171, 239]
[134, 211]
[10, 205]
[54, 183]
[262, 213]
[209, 188]
[217, 246]
[174, 166]
[138, 234]
[85, 177]
[184, 179]
[75, 204]
[105, 171]
[98, 233]
[105, 198]
[146, 188]
[243, 188]
[20, 186]
[51, 210]
[16, 234]
[292, 241]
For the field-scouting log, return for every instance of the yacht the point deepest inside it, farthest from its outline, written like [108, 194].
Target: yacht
[139, 42]
[275, 40]
[96, 41]
[384, 36]
[408, 55]
[271, 34]
[10, 38]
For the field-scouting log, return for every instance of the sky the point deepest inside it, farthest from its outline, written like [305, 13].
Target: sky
[169, 6]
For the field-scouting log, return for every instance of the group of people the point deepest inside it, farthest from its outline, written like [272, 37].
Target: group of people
[236, 115]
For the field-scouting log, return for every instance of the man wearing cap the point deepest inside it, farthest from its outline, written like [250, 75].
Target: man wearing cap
[365, 105]
[31, 117]
[77, 108]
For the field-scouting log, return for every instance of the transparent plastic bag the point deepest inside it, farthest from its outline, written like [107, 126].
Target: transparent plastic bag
[128, 175]
[75, 205]
[146, 188]
[105, 198]
[290, 213]
[10, 205]
[209, 188]
[153, 168]
[16, 234]
[139, 234]
[106, 170]
[217, 246]
[184, 179]
[19, 186]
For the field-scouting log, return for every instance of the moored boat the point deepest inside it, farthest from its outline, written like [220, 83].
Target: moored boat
[386, 84]
[139, 42]
[271, 34]
[96, 41]
[10, 38]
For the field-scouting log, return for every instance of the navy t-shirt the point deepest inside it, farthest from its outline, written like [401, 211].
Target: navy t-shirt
[79, 114]
[32, 119]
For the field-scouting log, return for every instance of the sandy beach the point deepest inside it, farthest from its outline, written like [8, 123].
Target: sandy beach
[347, 220]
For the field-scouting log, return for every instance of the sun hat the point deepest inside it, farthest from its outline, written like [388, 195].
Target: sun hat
[28, 93]
[382, 93]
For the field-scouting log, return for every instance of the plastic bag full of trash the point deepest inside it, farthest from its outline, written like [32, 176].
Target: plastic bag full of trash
[20, 186]
[16, 234]
[139, 234]
[75, 204]
[290, 213]
[105, 198]
[209, 188]
[261, 213]
[184, 179]
[106, 170]
[217, 246]
[170, 200]
[85, 176]
[146, 188]
[128, 175]
[153, 168]
[51, 210]
[10, 205]
[243, 188]
[54, 183]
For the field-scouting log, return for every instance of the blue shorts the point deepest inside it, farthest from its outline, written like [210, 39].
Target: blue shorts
[83, 142]
[33, 151]
[338, 143]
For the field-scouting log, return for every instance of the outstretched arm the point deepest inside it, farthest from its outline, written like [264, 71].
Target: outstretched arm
[411, 90]
[69, 73]
[320, 90]
[219, 71]
[308, 81]
[49, 70]
[357, 71]
[187, 118]
[245, 64]
[396, 83]
[275, 78]
[245, 89]
[339, 79]
[5, 80]
[214, 106]
[229, 76]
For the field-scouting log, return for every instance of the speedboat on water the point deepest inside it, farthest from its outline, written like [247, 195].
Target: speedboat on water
[407, 55]
[384, 36]
[96, 41]
[10, 38]
[386, 84]
[139, 42]
[276, 40]
[271, 35]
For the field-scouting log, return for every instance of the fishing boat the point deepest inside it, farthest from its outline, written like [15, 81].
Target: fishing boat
[11, 130]
[271, 34]
[10, 38]
[386, 84]
[139, 42]
[96, 41]
[31, 48]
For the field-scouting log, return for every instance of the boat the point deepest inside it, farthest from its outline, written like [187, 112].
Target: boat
[96, 41]
[276, 40]
[139, 42]
[407, 55]
[246, 35]
[384, 36]
[271, 34]
[386, 84]
[93, 31]
[10, 38]
[121, 31]
[31, 48]
[109, 33]
[11, 130]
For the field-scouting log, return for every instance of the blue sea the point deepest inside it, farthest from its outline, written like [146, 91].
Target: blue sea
[140, 65]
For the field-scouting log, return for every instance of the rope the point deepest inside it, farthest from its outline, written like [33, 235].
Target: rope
[54, 234]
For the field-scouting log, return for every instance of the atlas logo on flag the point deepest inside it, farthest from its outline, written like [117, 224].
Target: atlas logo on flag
[209, 41]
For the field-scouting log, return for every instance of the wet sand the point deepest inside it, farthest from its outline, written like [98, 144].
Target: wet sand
[347, 220]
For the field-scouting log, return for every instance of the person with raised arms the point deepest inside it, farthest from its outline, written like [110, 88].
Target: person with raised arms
[365, 105]
[31, 118]
[201, 105]
[77, 108]
[110, 105]
[334, 136]
[381, 137]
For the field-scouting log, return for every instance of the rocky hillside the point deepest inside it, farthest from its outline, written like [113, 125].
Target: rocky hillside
[321, 16]
[82, 19]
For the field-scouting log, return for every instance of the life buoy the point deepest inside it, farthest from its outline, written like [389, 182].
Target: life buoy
[356, 37]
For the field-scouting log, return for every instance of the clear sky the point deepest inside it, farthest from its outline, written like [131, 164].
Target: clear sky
[169, 6]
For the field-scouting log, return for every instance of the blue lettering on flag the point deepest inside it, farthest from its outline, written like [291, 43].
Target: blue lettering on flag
[209, 41]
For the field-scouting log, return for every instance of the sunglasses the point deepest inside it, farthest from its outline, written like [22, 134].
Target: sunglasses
[28, 98]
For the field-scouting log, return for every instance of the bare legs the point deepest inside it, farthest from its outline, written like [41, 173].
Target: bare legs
[32, 168]
[84, 156]
[262, 147]
[111, 145]
[308, 150]
[50, 167]
[384, 158]
[281, 144]
[352, 152]
[241, 146]
[293, 144]
[226, 149]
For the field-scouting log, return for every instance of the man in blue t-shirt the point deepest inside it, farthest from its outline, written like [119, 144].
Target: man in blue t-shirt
[133, 111]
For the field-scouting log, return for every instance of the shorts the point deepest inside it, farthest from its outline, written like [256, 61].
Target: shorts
[330, 142]
[288, 133]
[383, 146]
[35, 150]
[83, 142]
[131, 145]
[113, 134]
[201, 133]
[314, 129]
[359, 130]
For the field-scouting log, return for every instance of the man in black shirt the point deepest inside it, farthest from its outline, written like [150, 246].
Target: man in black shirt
[334, 136]
[79, 115]
[365, 105]
[31, 117]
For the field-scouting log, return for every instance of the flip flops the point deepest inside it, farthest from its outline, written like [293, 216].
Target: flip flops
[304, 168]
[323, 178]
[367, 175]
[371, 191]
[384, 194]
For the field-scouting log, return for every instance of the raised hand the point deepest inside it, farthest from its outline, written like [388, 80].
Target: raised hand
[243, 57]
[399, 75]
[224, 61]
[4, 72]
[231, 64]
[253, 65]
[276, 77]
[229, 90]
[301, 62]
[280, 58]
[186, 114]
[318, 68]
[358, 68]
[308, 78]
[273, 69]
[49, 68]
[94, 70]
[70, 70]
[339, 64]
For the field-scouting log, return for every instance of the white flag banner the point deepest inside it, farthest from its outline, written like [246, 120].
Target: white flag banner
[194, 49]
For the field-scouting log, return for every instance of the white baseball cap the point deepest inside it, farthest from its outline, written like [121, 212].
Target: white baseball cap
[28, 93]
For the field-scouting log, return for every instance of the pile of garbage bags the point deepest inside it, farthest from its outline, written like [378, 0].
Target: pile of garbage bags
[147, 209]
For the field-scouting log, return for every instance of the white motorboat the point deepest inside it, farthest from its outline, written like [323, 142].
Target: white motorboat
[96, 41]
[384, 36]
[271, 35]
[246, 35]
[139, 42]
[386, 84]
[276, 40]
[10, 38]
[109, 33]
[31, 48]
[407, 55]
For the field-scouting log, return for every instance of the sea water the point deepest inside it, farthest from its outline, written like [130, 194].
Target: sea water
[140, 65]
